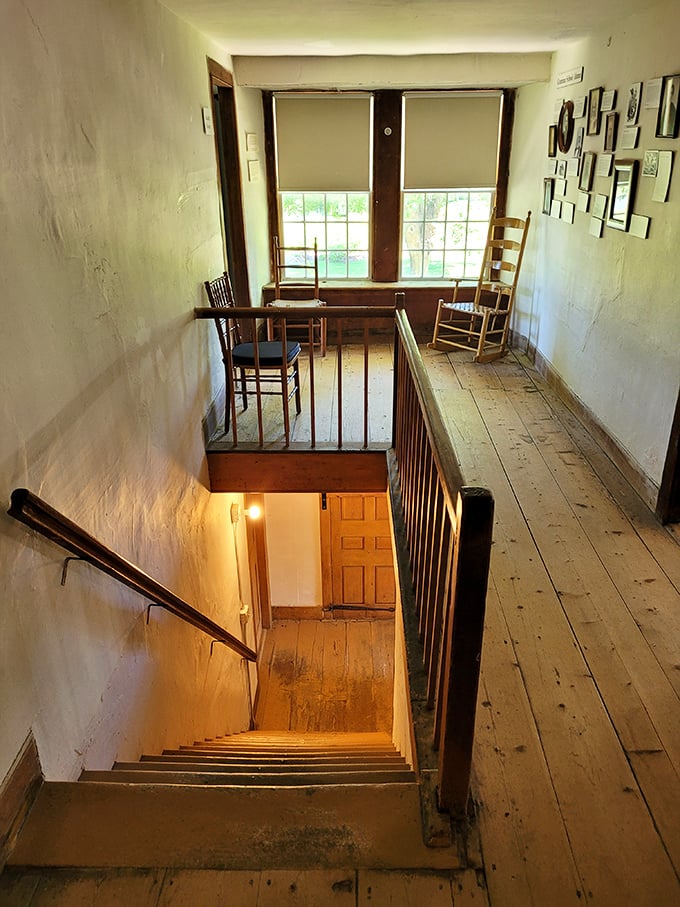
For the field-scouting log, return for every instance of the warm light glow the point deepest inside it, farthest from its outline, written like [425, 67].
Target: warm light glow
[254, 511]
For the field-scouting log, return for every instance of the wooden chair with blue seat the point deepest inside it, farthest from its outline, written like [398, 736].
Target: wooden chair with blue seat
[259, 368]
[483, 325]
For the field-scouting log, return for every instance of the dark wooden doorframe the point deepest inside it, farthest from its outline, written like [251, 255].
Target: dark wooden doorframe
[229, 178]
[668, 502]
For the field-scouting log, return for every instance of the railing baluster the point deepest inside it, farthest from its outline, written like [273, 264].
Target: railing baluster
[312, 395]
[365, 384]
[339, 346]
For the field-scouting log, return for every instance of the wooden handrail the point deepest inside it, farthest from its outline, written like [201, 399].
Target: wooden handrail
[35, 513]
[447, 529]
[352, 312]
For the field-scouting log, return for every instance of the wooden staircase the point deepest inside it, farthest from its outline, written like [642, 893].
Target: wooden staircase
[261, 800]
[269, 759]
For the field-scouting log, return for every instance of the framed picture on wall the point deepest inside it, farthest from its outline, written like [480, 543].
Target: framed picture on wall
[587, 169]
[547, 195]
[552, 141]
[622, 194]
[610, 129]
[633, 106]
[594, 102]
[668, 119]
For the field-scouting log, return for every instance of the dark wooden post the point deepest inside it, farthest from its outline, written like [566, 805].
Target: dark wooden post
[463, 646]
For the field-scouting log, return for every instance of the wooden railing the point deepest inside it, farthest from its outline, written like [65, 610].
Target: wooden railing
[447, 527]
[32, 511]
[345, 324]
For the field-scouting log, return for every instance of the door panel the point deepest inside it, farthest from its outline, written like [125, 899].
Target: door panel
[357, 548]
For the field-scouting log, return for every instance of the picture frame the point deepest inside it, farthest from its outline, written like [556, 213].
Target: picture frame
[565, 126]
[585, 181]
[594, 102]
[552, 141]
[633, 105]
[547, 195]
[578, 141]
[620, 207]
[668, 119]
[610, 131]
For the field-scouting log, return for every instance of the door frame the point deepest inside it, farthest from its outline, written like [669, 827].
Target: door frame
[229, 180]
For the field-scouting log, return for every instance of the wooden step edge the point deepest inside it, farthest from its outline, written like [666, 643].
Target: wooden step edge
[210, 758]
[207, 779]
[254, 768]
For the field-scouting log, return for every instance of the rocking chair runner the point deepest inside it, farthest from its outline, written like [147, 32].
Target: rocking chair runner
[484, 323]
[261, 368]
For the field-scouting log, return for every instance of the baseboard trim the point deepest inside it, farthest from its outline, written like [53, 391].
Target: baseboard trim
[17, 794]
[643, 485]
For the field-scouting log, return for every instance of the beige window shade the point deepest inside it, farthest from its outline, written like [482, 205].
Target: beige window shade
[323, 142]
[451, 142]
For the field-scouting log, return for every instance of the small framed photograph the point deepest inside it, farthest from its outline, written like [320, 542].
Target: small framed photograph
[668, 119]
[547, 195]
[562, 168]
[552, 141]
[578, 141]
[587, 168]
[610, 129]
[650, 164]
[622, 194]
[633, 105]
[594, 102]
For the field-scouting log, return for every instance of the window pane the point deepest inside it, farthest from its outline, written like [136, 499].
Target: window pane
[314, 206]
[293, 235]
[357, 206]
[337, 264]
[444, 233]
[358, 264]
[338, 221]
[337, 236]
[414, 205]
[292, 206]
[336, 206]
[357, 236]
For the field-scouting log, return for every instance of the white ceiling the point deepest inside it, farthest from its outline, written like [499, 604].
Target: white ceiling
[398, 27]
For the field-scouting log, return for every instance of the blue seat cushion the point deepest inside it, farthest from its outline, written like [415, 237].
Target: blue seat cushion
[270, 353]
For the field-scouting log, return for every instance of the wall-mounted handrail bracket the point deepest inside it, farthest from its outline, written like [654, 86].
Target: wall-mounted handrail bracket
[64, 569]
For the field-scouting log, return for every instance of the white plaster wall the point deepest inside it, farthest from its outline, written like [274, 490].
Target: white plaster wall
[604, 312]
[294, 549]
[250, 120]
[109, 222]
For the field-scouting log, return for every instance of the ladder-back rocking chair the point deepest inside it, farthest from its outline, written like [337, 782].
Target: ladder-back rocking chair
[483, 325]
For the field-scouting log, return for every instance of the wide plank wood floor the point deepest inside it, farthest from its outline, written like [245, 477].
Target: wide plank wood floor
[333, 374]
[578, 734]
[327, 675]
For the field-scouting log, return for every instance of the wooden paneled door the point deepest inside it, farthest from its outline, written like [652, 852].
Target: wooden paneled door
[357, 556]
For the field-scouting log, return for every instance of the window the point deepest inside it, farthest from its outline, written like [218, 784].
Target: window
[444, 233]
[323, 157]
[339, 223]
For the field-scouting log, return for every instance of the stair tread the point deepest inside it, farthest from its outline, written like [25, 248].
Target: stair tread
[300, 779]
[280, 751]
[259, 768]
[212, 757]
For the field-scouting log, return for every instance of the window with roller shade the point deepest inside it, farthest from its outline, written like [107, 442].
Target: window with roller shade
[323, 164]
[450, 159]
